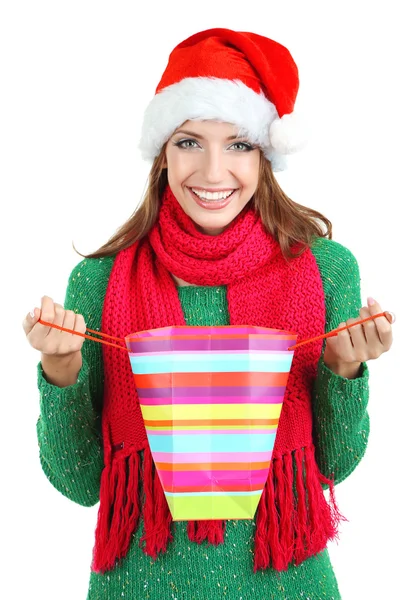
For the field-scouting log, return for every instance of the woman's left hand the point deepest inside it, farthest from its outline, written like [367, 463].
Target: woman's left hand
[349, 348]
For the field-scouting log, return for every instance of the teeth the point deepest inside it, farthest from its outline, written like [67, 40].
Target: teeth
[204, 195]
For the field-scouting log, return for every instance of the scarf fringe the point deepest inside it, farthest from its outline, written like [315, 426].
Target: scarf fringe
[119, 511]
[212, 531]
[156, 515]
[294, 520]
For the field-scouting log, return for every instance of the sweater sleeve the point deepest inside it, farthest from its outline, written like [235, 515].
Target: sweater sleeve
[69, 424]
[340, 418]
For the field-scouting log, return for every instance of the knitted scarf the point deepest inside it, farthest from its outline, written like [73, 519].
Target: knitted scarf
[293, 520]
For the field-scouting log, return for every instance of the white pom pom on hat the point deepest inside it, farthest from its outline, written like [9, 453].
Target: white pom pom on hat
[236, 77]
[288, 134]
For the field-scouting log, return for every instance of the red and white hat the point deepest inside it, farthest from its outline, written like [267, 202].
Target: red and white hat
[231, 76]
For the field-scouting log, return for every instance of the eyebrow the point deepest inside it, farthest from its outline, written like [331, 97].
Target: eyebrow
[200, 137]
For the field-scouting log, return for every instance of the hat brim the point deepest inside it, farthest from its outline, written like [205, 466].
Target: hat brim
[210, 98]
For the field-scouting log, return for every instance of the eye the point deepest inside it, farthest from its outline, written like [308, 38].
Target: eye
[245, 146]
[181, 144]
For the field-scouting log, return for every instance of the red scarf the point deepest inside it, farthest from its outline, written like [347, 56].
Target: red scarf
[294, 520]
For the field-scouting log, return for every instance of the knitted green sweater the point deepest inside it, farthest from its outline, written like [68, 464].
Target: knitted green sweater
[69, 435]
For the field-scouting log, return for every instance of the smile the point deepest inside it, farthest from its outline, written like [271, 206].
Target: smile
[212, 195]
[212, 200]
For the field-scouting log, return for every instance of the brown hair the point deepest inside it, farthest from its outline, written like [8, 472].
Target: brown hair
[288, 221]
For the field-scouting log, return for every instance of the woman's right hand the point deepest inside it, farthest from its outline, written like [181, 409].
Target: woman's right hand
[61, 358]
[50, 341]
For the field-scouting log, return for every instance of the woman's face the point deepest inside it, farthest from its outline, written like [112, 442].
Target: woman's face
[206, 157]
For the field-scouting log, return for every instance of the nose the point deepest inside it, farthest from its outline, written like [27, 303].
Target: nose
[214, 165]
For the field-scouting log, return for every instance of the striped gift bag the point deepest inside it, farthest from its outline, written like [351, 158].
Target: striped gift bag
[211, 398]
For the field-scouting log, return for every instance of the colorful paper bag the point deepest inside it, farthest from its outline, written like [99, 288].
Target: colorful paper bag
[211, 398]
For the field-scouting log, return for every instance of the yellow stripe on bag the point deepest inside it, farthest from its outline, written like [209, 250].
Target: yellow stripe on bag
[210, 411]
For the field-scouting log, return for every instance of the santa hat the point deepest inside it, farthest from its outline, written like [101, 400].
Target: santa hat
[231, 76]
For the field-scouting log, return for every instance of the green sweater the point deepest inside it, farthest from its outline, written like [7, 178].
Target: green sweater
[69, 435]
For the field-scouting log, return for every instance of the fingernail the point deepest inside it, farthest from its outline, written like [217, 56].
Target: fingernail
[32, 313]
[392, 315]
[370, 301]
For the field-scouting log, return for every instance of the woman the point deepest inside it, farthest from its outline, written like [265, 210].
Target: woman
[215, 242]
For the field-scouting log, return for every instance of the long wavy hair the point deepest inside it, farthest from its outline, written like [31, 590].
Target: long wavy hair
[288, 221]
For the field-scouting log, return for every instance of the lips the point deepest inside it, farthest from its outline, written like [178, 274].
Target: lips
[212, 204]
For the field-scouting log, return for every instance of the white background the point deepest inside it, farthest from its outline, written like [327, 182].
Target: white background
[75, 78]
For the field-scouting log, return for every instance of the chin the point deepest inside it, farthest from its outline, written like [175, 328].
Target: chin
[213, 226]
